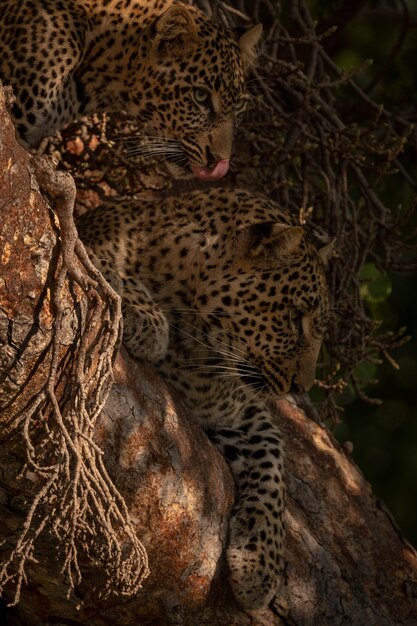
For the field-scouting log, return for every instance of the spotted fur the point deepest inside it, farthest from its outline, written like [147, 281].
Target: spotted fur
[168, 65]
[228, 295]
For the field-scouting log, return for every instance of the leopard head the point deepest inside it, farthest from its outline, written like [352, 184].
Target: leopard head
[269, 300]
[194, 91]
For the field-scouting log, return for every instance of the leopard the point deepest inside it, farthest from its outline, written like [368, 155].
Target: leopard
[226, 294]
[164, 63]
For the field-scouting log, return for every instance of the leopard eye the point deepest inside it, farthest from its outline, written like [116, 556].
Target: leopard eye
[201, 96]
[241, 106]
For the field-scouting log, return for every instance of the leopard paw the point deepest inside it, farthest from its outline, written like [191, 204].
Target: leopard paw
[254, 557]
[145, 334]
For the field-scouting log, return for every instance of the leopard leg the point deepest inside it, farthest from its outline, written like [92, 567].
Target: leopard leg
[145, 327]
[254, 452]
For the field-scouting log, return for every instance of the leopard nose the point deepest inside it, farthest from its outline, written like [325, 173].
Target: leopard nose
[214, 157]
[296, 388]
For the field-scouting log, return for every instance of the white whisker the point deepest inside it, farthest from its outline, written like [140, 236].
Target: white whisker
[227, 354]
[218, 341]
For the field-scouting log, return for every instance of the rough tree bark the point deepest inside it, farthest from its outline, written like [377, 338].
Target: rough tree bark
[347, 562]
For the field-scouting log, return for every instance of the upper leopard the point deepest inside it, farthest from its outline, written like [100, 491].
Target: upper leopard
[165, 63]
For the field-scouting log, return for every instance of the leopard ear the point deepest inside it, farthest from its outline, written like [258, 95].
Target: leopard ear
[327, 251]
[175, 32]
[248, 44]
[275, 239]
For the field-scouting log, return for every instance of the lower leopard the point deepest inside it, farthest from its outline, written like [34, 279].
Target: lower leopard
[227, 294]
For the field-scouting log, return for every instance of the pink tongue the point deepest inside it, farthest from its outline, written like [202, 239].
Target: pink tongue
[211, 173]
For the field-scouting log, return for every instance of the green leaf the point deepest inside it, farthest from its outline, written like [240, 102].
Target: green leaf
[365, 371]
[376, 287]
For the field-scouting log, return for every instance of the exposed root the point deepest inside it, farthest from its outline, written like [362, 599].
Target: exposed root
[77, 500]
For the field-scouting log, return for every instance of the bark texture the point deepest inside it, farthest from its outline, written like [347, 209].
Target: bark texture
[347, 562]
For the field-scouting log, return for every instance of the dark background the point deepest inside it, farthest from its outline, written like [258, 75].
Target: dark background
[385, 437]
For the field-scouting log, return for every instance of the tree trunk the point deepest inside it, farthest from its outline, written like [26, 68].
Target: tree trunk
[347, 562]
